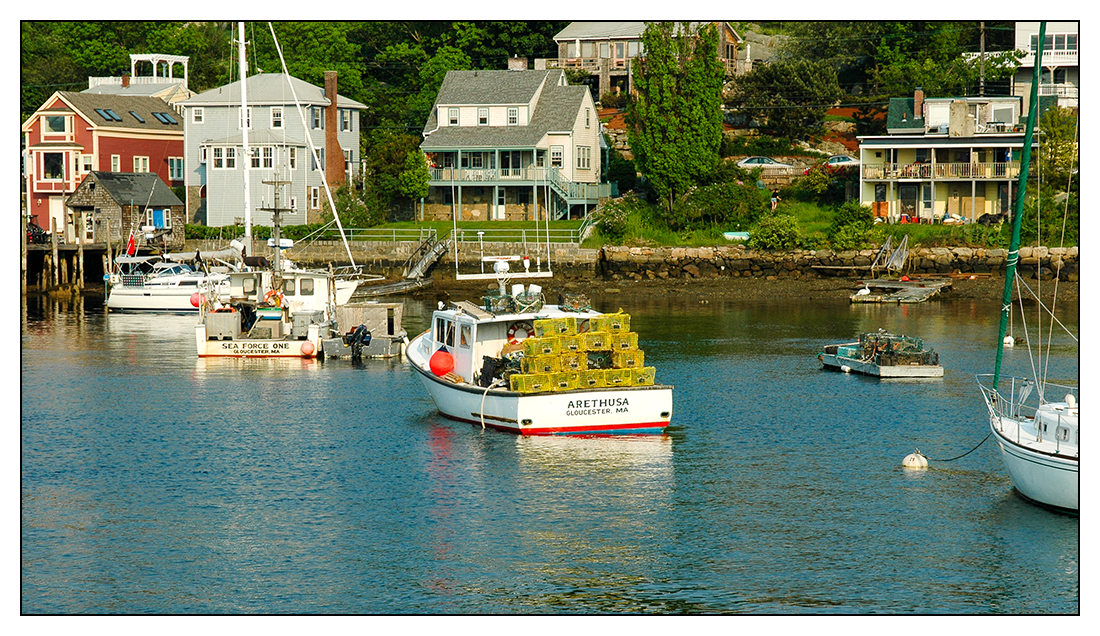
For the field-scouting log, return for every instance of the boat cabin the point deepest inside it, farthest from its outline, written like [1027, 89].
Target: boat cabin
[301, 290]
[469, 334]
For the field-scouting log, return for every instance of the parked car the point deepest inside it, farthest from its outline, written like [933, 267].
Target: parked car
[767, 163]
[35, 234]
[836, 161]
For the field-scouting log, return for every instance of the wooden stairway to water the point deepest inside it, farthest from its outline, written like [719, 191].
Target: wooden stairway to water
[883, 290]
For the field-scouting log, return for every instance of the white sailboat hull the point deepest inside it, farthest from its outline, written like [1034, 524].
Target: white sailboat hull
[163, 299]
[1043, 477]
[611, 410]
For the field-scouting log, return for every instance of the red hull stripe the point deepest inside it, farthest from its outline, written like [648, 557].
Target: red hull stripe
[635, 428]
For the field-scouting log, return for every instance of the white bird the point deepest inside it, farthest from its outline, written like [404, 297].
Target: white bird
[863, 291]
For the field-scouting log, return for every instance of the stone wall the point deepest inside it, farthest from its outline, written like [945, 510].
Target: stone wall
[388, 258]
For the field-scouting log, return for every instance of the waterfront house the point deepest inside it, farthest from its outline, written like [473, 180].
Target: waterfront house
[516, 145]
[126, 202]
[605, 50]
[280, 148]
[73, 134]
[1060, 76]
[948, 159]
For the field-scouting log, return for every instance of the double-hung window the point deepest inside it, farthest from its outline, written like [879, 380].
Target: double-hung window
[318, 118]
[483, 117]
[254, 152]
[452, 115]
[584, 157]
[587, 117]
[175, 168]
[116, 163]
[293, 158]
[556, 154]
[269, 157]
[513, 116]
[141, 164]
[85, 163]
[276, 116]
[314, 197]
[244, 120]
[196, 115]
[345, 119]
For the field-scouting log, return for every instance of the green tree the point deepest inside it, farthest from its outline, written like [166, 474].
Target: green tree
[675, 119]
[1058, 148]
[792, 97]
[413, 180]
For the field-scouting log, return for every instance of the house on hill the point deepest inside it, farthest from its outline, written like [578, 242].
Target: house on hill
[113, 204]
[162, 82]
[73, 134]
[512, 145]
[946, 159]
[1060, 77]
[606, 49]
[279, 143]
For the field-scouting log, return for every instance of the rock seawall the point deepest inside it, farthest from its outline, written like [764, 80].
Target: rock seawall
[640, 263]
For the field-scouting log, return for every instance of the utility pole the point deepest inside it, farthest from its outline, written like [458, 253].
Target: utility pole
[981, 70]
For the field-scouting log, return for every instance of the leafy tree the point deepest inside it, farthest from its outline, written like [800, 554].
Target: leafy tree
[413, 180]
[776, 232]
[792, 97]
[1058, 148]
[621, 170]
[675, 119]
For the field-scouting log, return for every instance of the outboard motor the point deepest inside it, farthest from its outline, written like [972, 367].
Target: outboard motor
[357, 339]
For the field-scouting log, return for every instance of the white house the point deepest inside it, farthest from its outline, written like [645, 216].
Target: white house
[517, 144]
[1061, 74]
[279, 144]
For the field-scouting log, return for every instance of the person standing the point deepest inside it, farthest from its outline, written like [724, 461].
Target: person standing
[775, 199]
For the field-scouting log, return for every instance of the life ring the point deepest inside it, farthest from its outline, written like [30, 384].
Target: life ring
[520, 331]
[276, 295]
[225, 310]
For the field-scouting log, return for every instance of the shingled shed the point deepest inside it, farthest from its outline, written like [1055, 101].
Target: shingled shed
[125, 201]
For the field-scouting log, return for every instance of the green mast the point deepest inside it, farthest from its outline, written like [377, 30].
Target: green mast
[1014, 244]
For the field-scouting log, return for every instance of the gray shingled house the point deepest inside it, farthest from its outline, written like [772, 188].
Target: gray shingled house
[279, 145]
[129, 201]
[514, 145]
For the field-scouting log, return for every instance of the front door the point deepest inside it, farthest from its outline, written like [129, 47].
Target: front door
[908, 195]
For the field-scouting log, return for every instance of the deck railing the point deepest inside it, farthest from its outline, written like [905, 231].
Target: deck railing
[965, 170]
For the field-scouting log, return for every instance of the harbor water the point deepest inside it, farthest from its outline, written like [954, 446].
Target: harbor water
[155, 482]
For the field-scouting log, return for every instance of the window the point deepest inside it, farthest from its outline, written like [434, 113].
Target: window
[500, 196]
[86, 163]
[116, 163]
[587, 117]
[513, 116]
[293, 158]
[452, 114]
[307, 287]
[277, 117]
[53, 166]
[269, 157]
[464, 336]
[230, 158]
[196, 115]
[345, 119]
[483, 117]
[556, 153]
[112, 114]
[318, 119]
[137, 116]
[288, 286]
[294, 203]
[202, 154]
[247, 121]
[254, 153]
[175, 168]
[219, 158]
[141, 164]
[604, 50]
[55, 124]
[314, 198]
[163, 118]
[584, 158]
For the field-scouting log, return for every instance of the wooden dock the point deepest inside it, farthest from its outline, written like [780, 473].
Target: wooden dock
[899, 291]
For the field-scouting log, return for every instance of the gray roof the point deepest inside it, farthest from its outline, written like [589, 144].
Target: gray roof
[86, 103]
[270, 89]
[556, 109]
[139, 188]
[594, 30]
[259, 138]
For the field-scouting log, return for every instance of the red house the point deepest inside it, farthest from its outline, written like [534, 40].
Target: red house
[73, 134]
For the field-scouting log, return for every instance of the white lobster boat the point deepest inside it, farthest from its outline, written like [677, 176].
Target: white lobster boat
[471, 387]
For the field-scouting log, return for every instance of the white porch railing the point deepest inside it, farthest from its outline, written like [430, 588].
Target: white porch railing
[986, 170]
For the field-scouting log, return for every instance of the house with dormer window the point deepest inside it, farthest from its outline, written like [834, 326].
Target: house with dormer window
[74, 134]
[944, 159]
[512, 145]
[1060, 76]
[279, 148]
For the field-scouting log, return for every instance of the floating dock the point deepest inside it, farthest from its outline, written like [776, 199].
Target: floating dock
[880, 290]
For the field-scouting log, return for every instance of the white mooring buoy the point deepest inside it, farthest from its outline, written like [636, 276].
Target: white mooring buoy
[915, 461]
[845, 368]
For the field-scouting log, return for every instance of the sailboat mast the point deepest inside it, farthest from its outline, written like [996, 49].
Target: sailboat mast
[1018, 213]
[247, 158]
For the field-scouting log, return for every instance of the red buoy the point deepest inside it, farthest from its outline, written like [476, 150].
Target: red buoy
[441, 363]
[307, 349]
[196, 298]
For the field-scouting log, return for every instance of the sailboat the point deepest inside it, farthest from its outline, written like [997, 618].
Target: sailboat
[1034, 422]
[269, 310]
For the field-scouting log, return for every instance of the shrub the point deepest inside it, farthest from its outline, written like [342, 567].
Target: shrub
[613, 100]
[776, 232]
[613, 217]
[719, 204]
[850, 237]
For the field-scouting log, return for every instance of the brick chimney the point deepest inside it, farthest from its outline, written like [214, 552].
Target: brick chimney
[517, 63]
[125, 80]
[918, 103]
[334, 155]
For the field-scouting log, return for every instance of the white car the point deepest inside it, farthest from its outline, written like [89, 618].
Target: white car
[841, 161]
[767, 163]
